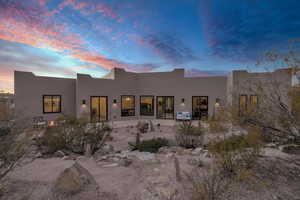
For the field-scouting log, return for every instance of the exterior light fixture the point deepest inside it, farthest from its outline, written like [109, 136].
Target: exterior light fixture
[115, 102]
[182, 101]
[83, 103]
[217, 104]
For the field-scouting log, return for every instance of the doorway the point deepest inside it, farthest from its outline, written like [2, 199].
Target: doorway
[200, 107]
[99, 108]
[165, 107]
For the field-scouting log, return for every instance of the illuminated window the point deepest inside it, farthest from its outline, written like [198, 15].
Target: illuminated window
[147, 105]
[165, 107]
[127, 106]
[243, 104]
[253, 101]
[51, 103]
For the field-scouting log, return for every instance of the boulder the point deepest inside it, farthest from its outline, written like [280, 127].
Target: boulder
[75, 183]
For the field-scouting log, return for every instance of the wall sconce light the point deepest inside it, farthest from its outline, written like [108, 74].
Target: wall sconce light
[217, 104]
[115, 102]
[182, 101]
[83, 103]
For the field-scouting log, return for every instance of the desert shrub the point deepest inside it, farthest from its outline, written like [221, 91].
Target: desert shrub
[151, 145]
[142, 126]
[210, 184]
[216, 125]
[237, 153]
[73, 134]
[189, 136]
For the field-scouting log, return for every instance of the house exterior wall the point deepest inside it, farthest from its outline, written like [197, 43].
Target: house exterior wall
[29, 90]
[153, 84]
[262, 84]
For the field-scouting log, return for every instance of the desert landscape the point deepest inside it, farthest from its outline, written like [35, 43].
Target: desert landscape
[115, 171]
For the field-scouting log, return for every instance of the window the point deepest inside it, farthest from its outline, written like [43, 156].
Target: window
[165, 107]
[147, 105]
[51, 103]
[242, 104]
[200, 107]
[127, 105]
[98, 108]
[254, 101]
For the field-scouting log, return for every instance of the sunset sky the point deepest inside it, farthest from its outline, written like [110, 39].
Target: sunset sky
[206, 37]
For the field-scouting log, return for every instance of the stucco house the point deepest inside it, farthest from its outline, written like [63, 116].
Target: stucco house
[122, 95]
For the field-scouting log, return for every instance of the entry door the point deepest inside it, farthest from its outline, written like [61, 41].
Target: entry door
[98, 108]
[200, 107]
[165, 107]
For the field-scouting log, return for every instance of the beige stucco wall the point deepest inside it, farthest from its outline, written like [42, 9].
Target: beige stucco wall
[29, 91]
[157, 84]
[262, 84]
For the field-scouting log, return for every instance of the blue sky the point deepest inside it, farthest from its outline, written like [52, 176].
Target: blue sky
[206, 37]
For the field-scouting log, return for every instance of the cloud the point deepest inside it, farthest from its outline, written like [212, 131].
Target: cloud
[108, 63]
[170, 48]
[26, 25]
[91, 7]
[203, 73]
[242, 32]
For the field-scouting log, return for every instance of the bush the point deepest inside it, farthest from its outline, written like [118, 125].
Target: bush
[189, 136]
[73, 134]
[237, 153]
[209, 185]
[151, 145]
[216, 126]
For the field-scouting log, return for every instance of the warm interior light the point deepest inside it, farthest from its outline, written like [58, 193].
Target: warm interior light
[127, 99]
[51, 123]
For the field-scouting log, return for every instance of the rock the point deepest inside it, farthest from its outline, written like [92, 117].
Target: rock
[143, 155]
[75, 183]
[59, 154]
[195, 162]
[125, 162]
[172, 149]
[197, 151]
[111, 165]
[271, 145]
[38, 155]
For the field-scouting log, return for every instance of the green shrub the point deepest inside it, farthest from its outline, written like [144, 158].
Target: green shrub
[216, 125]
[237, 153]
[151, 145]
[73, 134]
[189, 136]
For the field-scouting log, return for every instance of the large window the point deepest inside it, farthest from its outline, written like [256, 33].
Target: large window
[200, 107]
[98, 108]
[127, 105]
[254, 102]
[242, 104]
[51, 103]
[165, 107]
[147, 105]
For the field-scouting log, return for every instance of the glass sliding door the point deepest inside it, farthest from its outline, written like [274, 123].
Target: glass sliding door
[165, 107]
[98, 108]
[200, 107]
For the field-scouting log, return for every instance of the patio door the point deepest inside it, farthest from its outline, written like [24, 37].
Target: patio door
[98, 108]
[200, 107]
[165, 107]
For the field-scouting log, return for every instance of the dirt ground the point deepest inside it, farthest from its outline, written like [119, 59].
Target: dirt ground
[153, 176]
